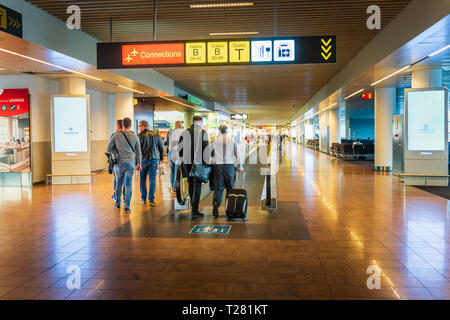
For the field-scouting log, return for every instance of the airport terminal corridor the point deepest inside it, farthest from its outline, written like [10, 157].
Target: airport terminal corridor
[334, 220]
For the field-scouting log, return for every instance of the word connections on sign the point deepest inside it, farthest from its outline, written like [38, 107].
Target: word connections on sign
[294, 50]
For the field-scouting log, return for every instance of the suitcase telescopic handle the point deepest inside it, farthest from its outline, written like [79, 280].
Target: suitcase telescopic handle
[243, 178]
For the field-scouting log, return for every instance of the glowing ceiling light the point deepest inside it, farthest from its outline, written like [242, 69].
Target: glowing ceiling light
[221, 5]
[178, 102]
[233, 33]
[354, 93]
[123, 87]
[50, 64]
[391, 75]
[439, 51]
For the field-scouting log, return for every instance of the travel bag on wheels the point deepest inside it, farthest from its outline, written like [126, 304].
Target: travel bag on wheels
[237, 203]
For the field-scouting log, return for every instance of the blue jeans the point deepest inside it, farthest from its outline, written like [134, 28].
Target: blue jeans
[124, 179]
[149, 167]
[173, 171]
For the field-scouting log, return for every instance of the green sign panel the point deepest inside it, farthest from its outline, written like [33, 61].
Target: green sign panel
[10, 21]
[195, 100]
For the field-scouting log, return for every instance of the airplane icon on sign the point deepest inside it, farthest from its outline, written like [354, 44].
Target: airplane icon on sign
[134, 53]
[128, 59]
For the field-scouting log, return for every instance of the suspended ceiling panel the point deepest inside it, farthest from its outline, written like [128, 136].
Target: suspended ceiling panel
[264, 92]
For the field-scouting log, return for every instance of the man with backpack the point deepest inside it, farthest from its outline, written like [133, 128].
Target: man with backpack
[128, 148]
[152, 155]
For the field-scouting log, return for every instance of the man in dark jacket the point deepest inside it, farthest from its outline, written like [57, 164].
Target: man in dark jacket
[193, 143]
[152, 155]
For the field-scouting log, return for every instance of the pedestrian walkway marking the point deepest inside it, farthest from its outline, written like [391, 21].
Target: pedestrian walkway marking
[326, 48]
[210, 229]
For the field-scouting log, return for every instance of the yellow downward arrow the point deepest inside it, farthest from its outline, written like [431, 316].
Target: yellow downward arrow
[326, 56]
[326, 42]
[326, 50]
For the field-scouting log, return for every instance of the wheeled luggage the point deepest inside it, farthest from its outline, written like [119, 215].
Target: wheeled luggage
[237, 203]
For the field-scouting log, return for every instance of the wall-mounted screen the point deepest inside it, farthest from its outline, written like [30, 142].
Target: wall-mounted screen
[70, 124]
[426, 120]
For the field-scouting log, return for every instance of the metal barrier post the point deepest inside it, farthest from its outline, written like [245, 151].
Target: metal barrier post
[268, 191]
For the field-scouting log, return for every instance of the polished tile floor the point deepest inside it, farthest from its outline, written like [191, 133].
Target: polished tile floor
[355, 218]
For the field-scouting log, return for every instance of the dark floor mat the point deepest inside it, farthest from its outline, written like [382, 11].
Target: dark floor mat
[443, 192]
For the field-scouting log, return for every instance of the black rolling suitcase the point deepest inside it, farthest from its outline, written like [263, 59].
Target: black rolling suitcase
[237, 203]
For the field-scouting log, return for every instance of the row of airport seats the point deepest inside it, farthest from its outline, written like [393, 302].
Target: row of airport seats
[313, 144]
[345, 150]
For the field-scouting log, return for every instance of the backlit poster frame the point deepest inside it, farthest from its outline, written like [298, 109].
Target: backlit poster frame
[15, 104]
[71, 155]
[426, 154]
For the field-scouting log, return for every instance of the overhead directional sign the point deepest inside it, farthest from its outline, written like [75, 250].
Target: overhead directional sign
[11, 21]
[260, 51]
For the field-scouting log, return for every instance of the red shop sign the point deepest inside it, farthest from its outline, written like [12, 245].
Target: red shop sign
[13, 102]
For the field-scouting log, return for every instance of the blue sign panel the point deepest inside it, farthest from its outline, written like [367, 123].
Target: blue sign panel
[210, 229]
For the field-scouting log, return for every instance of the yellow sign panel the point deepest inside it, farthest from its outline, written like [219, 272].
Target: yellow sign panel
[217, 52]
[196, 52]
[3, 22]
[239, 51]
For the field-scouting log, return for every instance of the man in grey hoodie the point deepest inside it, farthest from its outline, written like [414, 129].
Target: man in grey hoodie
[130, 157]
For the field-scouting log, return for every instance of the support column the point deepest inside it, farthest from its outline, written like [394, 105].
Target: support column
[123, 107]
[188, 115]
[384, 112]
[323, 132]
[426, 78]
[343, 124]
[72, 86]
[333, 120]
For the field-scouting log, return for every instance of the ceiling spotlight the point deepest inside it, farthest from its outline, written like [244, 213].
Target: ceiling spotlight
[233, 33]
[221, 5]
[137, 91]
[439, 51]
[390, 75]
[355, 93]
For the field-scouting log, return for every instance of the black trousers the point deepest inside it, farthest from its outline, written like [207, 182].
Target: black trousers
[223, 178]
[195, 190]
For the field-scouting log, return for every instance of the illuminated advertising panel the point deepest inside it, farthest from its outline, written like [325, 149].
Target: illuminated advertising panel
[70, 124]
[426, 120]
[15, 137]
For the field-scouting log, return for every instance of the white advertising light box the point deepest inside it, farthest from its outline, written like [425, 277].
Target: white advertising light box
[426, 120]
[426, 135]
[70, 124]
[71, 152]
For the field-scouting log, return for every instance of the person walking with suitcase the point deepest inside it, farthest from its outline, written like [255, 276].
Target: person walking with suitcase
[129, 150]
[225, 154]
